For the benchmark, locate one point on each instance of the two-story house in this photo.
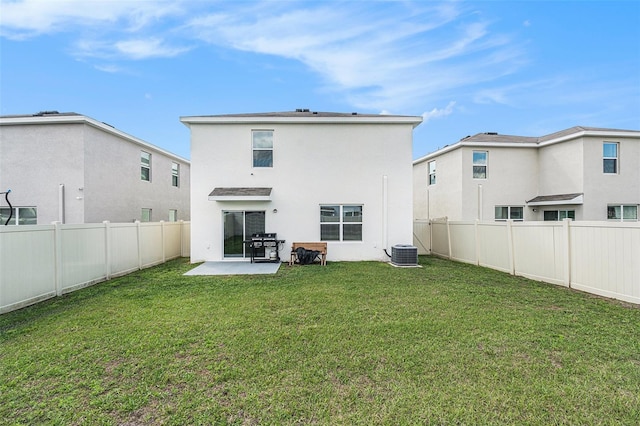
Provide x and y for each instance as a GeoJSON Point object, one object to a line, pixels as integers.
{"type": "Point", "coordinates": [582, 173]}
{"type": "Point", "coordinates": [71, 168]}
{"type": "Point", "coordinates": [304, 175]}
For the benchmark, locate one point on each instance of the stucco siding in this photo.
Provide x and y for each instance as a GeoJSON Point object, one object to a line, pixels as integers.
{"type": "Point", "coordinates": [35, 161]}
{"type": "Point", "coordinates": [603, 189]}
{"type": "Point", "coordinates": [313, 164]}
{"type": "Point", "coordinates": [114, 190]}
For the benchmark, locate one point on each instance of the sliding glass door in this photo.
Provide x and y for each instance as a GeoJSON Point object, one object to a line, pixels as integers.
{"type": "Point", "coordinates": [239, 226]}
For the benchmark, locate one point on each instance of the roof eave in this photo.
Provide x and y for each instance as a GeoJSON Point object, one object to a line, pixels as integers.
{"type": "Point", "coordinates": [354, 119]}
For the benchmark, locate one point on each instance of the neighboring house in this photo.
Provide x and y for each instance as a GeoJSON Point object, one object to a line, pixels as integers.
{"type": "Point", "coordinates": [306, 176]}
{"type": "Point", "coordinates": [582, 173]}
{"type": "Point", "coordinates": [71, 168]}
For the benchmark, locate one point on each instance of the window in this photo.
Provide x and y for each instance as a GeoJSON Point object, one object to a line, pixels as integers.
{"type": "Point", "coordinates": [559, 214]}
{"type": "Point", "coordinates": [146, 215]}
{"type": "Point", "coordinates": [175, 174]}
{"type": "Point", "coordinates": [262, 148]}
{"type": "Point", "coordinates": [480, 164]}
{"type": "Point", "coordinates": [510, 212]}
{"type": "Point", "coordinates": [341, 223]}
{"type": "Point", "coordinates": [622, 212]}
{"type": "Point", "coordinates": [173, 215]}
{"type": "Point", "coordinates": [432, 172]}
{"type": "Point", "coordinates": [20, 216]}
{"type": "Point", "coordinates": [145, 166]}
{"type": "Point", "coordinates": [610, 157]}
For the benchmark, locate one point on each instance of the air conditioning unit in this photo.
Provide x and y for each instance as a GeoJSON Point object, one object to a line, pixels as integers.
{"type": "Point", "coordinates": [404, 255]}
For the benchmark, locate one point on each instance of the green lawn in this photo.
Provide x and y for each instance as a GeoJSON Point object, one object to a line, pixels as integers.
{"type": "Point", "coordinates": [349, 343]}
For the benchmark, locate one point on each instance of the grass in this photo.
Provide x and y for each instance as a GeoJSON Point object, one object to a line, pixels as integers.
{"type": "Point", "coordinates": [349, 343]}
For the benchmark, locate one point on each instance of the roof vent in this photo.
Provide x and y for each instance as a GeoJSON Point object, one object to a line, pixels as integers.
{"type": "Point", "coordinates": [298, 109]}
{"type": "Point", "coordinates": [305, 110]}
{"type": "Point", "coordinates": [315, 112]}
{"type": "Point", "coordinates": [41, 113]}
{"type": "Point", "coordinates": [354, 113]}
{"type": "Point", "coordinates": [491, 133]}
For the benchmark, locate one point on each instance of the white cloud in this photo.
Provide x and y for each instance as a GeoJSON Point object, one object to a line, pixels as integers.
{"type": "Point", "coordinates": [396, 55]}
{"type": "Point", "coordinates": [389, 57]}
{"type": "Point", "coordinates": [438, 113]}
{"type": "Point", "coordinates": [28, 18]}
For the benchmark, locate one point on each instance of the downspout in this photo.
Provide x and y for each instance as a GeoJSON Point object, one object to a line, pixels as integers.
{"type": "Point", "coordinates": [385, 218]}
{"type": "Point", "coordinates": [61, 203]}
{"type": "Point", "coordinates": [479, 215]}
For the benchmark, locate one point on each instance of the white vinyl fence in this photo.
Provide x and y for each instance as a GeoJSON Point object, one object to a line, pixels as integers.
{"type": "Point", "coordinates": [601, 258]}
{"type": "Point", "coordinates": [38, 262]}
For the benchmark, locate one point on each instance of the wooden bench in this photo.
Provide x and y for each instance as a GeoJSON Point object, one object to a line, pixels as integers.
{"type": "Point", "coordinates": [320, 247]}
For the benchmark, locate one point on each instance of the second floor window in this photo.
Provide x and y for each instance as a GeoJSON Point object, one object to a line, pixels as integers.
{"type": "Point", "coordinates": [432, 172]}
{"type": "Point", "coordinates": [175, 174]}
{"type": "Point", "coordinates": [145, 166]}
{"type": "Point", "coordinates": [610, 157]}
{"type": "Point", "coordinates": [480, 164]}
{"type": "Point", "coordinates": [262, 148]}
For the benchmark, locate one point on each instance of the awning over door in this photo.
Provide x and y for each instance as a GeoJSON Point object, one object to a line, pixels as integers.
{"type": "Point", "coordinates": [240, 194]}
{"type": "Point", "coordinates": [550, 200]}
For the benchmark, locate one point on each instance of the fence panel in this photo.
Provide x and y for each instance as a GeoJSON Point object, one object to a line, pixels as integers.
{"type": "Point", "coordinates": [27, 265]}
{"type": "Point", "coordinates": [463, 241]}
{"type": "Point", "coordinates": [539, 251]}
{"type": "Point", "coordinates": [422, 236]}
{"type": "Point", "coordinates": [172, 239]}
{"type": "Point", "coordinates": [151, 244]}
{"type": "Point", "coordinates": [124, 248]}
{"type": "Point", "coordinates": [604, 259]}
{"type": "Point", "coordinates": [83, 255]}
{"type": "Point", "coordinates": [493, 246]}
{"type": "Point", "coordinates": [439, 237]}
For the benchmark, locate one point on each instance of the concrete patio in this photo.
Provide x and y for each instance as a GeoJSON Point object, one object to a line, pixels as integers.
{"type": "Point", "coordinates": [234, 268]}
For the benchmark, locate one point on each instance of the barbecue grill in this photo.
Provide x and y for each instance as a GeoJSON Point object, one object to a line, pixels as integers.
{"type": "Point", "coordinates": [262, 245]}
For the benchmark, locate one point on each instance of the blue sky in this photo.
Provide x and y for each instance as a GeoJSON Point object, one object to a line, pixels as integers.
{"type": "Point", "coordinates": [515, 67]}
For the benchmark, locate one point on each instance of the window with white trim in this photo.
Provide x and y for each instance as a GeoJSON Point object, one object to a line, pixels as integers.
{"type": "Point", "coordinates": [550, 215]}
{"type": "Point", "coordinates": [610, 157]}
{"type": "Point", "coordinates": [432, 172]}
{"type": "Point", "coordinates": [341, 223]}
{"type": "Point", "coordinates": [175, 174]}
{"type": "Point", "coordinates": [262, 141]}
{"type": "Point", "coordinates": [145, 166]}
{"type": "Point", "coordinates": [623, 212]}
{"type": "Point", "coordinates": [509, 212]}
{"type": "Point", "coordinates": [480, 164]}
{"type": "Point", "coordinates": [145, 216]}
{"type": "Point", "coordinates": [20, 216]}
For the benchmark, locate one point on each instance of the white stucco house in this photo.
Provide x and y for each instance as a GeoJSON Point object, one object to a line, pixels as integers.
{"type": "Point", "coordinates": [303, 175]}
{"type": "Point", "coordinates": [582, 173]}
{"type": "Point", "coordinates": [71, 168]}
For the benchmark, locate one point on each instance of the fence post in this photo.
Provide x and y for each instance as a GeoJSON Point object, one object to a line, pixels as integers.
{"type": "Point", "coordinates": [137, 222]}
{"type": "Point", "coordinates": [448, 235]}
{"type": "Point", "coordinates": [476, 233]}
{"type": "Point", "coordinates": [566, 225]}
{"type": "Point", "coordinates": [57, 255]}
{"type": "Point", "coordinates": [182, 238]}
{"type": "Point", "coordinates": [164, 242]}
{"type": "Point", "coordinates": [512, 260]}
{"type": "Point", "coordinates": [107, 248]}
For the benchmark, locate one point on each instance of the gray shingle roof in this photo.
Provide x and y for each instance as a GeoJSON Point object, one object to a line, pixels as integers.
{"type": "Point", "coordinates": [240, 192]}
